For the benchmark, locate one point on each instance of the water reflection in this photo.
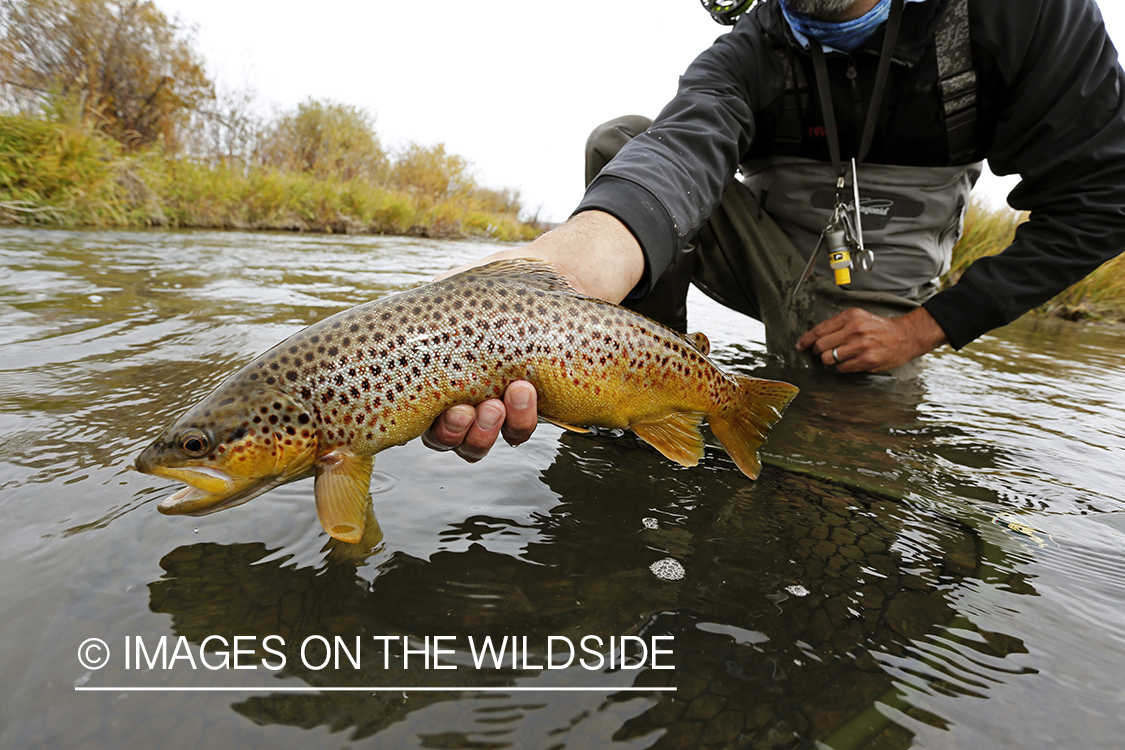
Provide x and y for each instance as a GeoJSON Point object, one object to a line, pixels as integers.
{"type": "Point", "coordinates": [969, 547]}
{"type": "Point", "coordinates": [800, 603]}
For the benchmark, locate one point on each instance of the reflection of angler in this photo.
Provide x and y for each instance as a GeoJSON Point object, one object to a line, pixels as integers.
{"type": "Point", "coordinates": [793, 591]}
{"type": "Point", "coordinates": [781, 635]}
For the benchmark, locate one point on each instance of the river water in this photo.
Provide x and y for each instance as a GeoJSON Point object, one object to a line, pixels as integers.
{"type": "Point", "coordinates": [933, 563]}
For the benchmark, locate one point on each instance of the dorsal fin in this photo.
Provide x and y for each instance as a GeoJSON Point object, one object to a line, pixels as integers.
{"type": "Point", "coordinates": [531, 272]}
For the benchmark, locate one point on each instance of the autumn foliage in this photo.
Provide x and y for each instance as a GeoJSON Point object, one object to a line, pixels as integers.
{"type": "Point", "coordinates": [324, 139]}
{"type": "Point", "coordinates": [120, 66]}
{"type": "Point", "coordinates": [108, 117]}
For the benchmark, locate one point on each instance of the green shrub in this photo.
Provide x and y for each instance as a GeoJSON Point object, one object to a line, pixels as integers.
{"type": "Point", "coordinates": [58, 174]}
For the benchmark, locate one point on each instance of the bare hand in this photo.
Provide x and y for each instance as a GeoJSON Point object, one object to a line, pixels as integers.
{"type": "Point", "coordinates": [859, 341]}
{"type": "Point", "coordinates": [471, 432]}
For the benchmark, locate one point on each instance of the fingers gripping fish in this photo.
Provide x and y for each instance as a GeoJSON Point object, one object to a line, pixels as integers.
{"type": "Point", "coordinates": [330, 397]}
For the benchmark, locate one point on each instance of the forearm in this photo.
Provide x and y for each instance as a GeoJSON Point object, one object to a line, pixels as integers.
{"type": "Point", "coordinates": [594, 251]}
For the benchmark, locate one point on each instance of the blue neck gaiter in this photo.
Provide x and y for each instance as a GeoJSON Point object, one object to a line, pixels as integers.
{"type": "Point", "coordinates": [845, 36]}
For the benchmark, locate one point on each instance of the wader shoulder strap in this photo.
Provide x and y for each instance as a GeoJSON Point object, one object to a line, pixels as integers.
{"type": "Point", "coordinates": [957, 81]}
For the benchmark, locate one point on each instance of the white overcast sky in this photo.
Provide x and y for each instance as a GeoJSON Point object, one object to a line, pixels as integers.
{"type": "Point", "coordinates": [514, 87]}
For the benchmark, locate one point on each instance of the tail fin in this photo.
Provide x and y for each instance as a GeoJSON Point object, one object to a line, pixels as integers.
{"type": "Point", "coordinates": [743, 426]}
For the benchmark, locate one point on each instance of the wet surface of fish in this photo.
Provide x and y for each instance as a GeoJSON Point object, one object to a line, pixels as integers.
{"type": "Point", "coordinates": [330, 397]}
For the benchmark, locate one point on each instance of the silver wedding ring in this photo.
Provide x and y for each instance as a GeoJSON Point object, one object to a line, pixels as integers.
{"type": "Point", "coordinates": [835, 356]}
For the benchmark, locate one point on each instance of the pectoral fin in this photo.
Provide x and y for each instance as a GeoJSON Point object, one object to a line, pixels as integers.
{"type": "Point", "coordinates": [675, 435]}
{"type": "Point", "coordinates": [343, 484]}
{"type": "Point", "coordinates": [356, 553]}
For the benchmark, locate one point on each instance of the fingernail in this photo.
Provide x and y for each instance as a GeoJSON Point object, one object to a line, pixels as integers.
{"type": "Point", "coordinates": [487, 416]}
{"type": "Point", "coordinates": [459, 418]}
{"type": "Point", "coordinates": [521, 398]}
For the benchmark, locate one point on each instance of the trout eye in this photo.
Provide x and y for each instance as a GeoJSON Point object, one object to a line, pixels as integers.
{"type": "Point", "coordinates": [195, 443]}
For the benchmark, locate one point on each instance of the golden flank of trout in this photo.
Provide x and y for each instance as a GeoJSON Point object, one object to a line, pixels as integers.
{"type": "Point", "coordinates": [330, 397]}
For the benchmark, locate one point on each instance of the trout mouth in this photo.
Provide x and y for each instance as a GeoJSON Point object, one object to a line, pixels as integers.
{"type": "Point", "coordinates": [208, 490]}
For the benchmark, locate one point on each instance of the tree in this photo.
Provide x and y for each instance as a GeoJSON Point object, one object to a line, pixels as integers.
{"type": "Point", "coordinates": [431, 171]}
{"type": "Point", "coordinates": [325, 139]}
{"type": "Point", "coordinates": [226, 128]}
{"type": "Point", "coordinates": [119, 65]}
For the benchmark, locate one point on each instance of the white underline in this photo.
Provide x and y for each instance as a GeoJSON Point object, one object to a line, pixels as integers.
{"type": "Point", "coordinates": [280, 689]}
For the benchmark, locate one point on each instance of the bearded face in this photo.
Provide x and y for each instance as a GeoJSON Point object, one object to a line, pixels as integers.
{"type": "Point", "coordinates": [825, 10]}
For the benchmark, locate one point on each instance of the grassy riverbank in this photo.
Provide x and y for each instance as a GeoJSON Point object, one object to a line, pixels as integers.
{"type": "Point", "coordinates": [54, 174]}
{"type": "Point", "coordinates": [988, 230]}
{"type": "Point", "coordinates": [60, 175]}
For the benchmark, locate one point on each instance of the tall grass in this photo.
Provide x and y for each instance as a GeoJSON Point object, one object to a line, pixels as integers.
{"type": "Point", "coordinates": [53, 174]}
{"type": "Point", "coordinates": [988, 230]}
{"type": "Point", "coordinates": [66, 175]}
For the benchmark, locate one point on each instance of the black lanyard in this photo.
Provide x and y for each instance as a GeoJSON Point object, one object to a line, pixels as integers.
{"type": "Point", "coordinates": [894, 21]}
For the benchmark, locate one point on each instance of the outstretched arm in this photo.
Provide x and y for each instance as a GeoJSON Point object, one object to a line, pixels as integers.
{"type": "Point", "coordinates": [600, 257]}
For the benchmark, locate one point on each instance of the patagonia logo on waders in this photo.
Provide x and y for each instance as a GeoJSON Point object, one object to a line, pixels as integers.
{"type": "Point", "coordinates": [876, 210]}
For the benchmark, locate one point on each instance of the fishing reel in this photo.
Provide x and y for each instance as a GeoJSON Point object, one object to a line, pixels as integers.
{"type": "Point", "coordinates": [726, 12]}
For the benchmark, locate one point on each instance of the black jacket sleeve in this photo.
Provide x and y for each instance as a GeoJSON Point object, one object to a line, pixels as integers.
{"type": "Point", "coordinates": [666, 182]}
{"type": "Point", "coordinates": [1061, 127]}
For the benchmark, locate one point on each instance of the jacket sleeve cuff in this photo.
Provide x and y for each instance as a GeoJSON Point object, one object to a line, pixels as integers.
{"type": "Point", "coordinates": [643, 215]}
{"type": "Point", "coordinates": [964, 312]}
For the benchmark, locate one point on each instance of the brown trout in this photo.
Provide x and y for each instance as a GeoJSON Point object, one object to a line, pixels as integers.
{"type": "Point", "coordinates": [330, 397]}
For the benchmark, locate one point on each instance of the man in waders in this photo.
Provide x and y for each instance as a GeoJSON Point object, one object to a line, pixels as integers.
{"type": "Point", "coordinates": [813, 171]}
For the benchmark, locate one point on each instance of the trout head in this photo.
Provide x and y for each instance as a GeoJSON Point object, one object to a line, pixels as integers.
{"type": "Point", "coordinates": [231, 447]}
